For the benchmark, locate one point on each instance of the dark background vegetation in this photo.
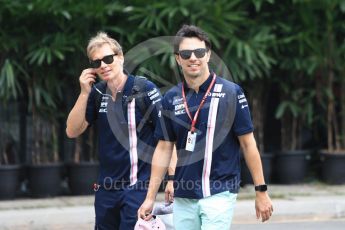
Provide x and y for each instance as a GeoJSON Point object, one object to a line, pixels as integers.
{"type": "Point", "coordinates": [288, 55]}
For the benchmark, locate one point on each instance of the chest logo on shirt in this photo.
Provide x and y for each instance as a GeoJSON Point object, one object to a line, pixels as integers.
{"type": "Point", "coordinates": [177, 100]}
{"type": "Point", "coordinates": [104, 104]}
{"type": "Point", "coordinates": [217, 91]}
{"type": "Point", "coordinates": [179, 105]}
{"type": "Point", "coordinates": [179, 109]}
{"type": "Point", "coordinates": [218, 88]}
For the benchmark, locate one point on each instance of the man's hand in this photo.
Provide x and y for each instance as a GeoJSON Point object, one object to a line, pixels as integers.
{"type": "Point", "coordinates": [86, 79]}
{"type": "Point", "coordinates": [169, 192]}
{"type": "Point", "coordinates": [144, 212]}
{"type": "Point", "coordinates": [263, 206]}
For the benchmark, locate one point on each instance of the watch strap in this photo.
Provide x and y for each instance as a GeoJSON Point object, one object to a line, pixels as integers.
{"type": "Point", "coordinates": [261, 188]}
{"type": "Point", "coordinates": [170, 177]}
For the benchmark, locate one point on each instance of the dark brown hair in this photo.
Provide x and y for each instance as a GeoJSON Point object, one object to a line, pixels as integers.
{"type": "Point", "coordinates": [190, 31]}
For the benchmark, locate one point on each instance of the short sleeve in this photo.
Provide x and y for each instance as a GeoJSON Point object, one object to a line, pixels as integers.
{"type": "Point", "coordinates": [243, 122]}
{"type": "Point", "coordinates": [153, 101]}
{"type": "Point", "coordinates": [164, 129]}
{"type": "Point", "coordinates": [91, 114]}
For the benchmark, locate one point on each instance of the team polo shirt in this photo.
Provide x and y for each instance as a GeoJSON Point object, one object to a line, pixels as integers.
{"type": "Point", "coordinates": [214, 165]}
{"type": "Point", "coordinates": [125, 152]}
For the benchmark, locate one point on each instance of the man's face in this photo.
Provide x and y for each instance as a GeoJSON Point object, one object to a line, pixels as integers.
{"type": "Point", "coordinates": [193, 66]}
{"type": "Point", "coordinates": [111, 70]}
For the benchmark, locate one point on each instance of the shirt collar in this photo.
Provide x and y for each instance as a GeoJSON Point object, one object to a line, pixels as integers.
{"type": "Point", "coordinates": [127, 88]}
{"type": "Point", "coordinates": [203, 87]}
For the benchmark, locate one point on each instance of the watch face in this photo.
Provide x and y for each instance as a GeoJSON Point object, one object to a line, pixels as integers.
{"type": "Point", "coordinates": [261, 188]}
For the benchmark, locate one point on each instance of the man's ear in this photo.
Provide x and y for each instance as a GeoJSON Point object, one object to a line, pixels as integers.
{"type": "Point", "coordinates": [177, 58]}
{"type": "Point", "coordinates": [208, 55]}
{"type": "Point", "coordinates": [121, 59]}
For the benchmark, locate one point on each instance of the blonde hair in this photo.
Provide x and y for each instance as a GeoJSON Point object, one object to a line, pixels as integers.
{"type": "Point", "coordinates": [99, 40]}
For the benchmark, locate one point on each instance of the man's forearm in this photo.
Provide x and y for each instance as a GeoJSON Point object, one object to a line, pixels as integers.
{"type": "Point", "coordinates": [173, 162]}
{"type": "Point", "coordinates": [76, 122]}
{"type": "Point", "coordinates": [252, 157]}
{"type": "Point", "coordinates": [160, 162]}
{"type": "Point", "coordinates": [253, 162]}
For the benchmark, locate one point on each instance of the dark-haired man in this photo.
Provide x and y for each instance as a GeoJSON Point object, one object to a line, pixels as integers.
{"type": "Point", "coordinates": [208, 119]}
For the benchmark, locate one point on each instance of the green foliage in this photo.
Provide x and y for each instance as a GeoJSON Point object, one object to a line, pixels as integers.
{"type": "Point", "coordinates": [237, 38]}
{"type": "Point", "coordinates": [307, 53]}
{"type": "Point", "coordinates": [10, 87]}
{"type": "Point", "coordinates": [297, 44]}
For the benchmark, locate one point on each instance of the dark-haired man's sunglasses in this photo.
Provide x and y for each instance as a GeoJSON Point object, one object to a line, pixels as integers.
{"type": "Point", "coordinates": [186, 54]}
{"type": "Point", "coordinates": [98, 62]}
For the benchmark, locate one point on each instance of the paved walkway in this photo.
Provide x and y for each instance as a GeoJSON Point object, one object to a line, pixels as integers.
{"type": "Point", "coordinates": [291, 203]}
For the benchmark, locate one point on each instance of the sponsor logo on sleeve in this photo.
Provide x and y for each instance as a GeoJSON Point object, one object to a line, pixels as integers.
{"type": "Point", "coordinates": [153, 94]}
{"type": "Point", "coordinates": [242, 100]}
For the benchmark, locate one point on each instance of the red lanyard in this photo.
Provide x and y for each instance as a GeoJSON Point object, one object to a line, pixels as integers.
{"type": "Point", "coordinates": [200, 106]}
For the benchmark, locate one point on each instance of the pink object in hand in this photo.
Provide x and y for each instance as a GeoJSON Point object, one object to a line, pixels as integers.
{"type": "Point", "coordinates": [153, 224]}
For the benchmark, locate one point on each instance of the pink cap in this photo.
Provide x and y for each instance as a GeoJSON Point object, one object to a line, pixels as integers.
{"type": "Point", "coordinates": [153, 223]}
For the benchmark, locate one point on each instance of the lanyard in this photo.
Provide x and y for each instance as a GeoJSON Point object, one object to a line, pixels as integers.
{"type": "Point", "coordinates": [200, 106]}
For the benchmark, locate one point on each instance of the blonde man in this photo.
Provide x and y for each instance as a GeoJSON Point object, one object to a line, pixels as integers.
{"type": "Point", "coordinates": [125, 151]}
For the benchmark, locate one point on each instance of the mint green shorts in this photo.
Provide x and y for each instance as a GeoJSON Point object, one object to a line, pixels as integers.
{"type": "Point", "coordinates": [213, 212]}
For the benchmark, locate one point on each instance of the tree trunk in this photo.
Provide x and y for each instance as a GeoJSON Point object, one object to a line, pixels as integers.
{"type": "Point", "coordinates": [330, 111]}
{"type": "Point", "coordinates": [294, 134]}
{"type": "Point", "coordinates": [77, 150]}
{"type": "Point", "coordinates": [342, 112]}
{"type": "Point", "coordinates": [92, 144]}
{"type": "Point", "coordinates": [257, 103]}
{"type": "Point", "coordinates": [287, 141]}
{"type": "Point", "coordinates": [55, 142]}
{"type": "Point", "coordinates": [299, 134]}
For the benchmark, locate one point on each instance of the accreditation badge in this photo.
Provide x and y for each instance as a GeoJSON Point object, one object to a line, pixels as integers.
{"type": "Point", "coordinates": [190, 143]}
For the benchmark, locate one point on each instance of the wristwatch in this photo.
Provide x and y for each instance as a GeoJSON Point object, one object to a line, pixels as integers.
{"type": "Point", "coordinates": [171, 177]}
{"type": "Point", "coordinates": [261, 188]}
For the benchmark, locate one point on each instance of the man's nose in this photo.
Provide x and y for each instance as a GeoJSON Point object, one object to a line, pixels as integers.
{"type": "Point", "coordinates": [193, 57]}
{"type": "Point", "coordinates": [103, 63]}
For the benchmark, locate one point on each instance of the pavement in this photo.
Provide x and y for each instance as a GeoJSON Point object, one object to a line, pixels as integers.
{"type": "Point", "coordinates": [311, 202]}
